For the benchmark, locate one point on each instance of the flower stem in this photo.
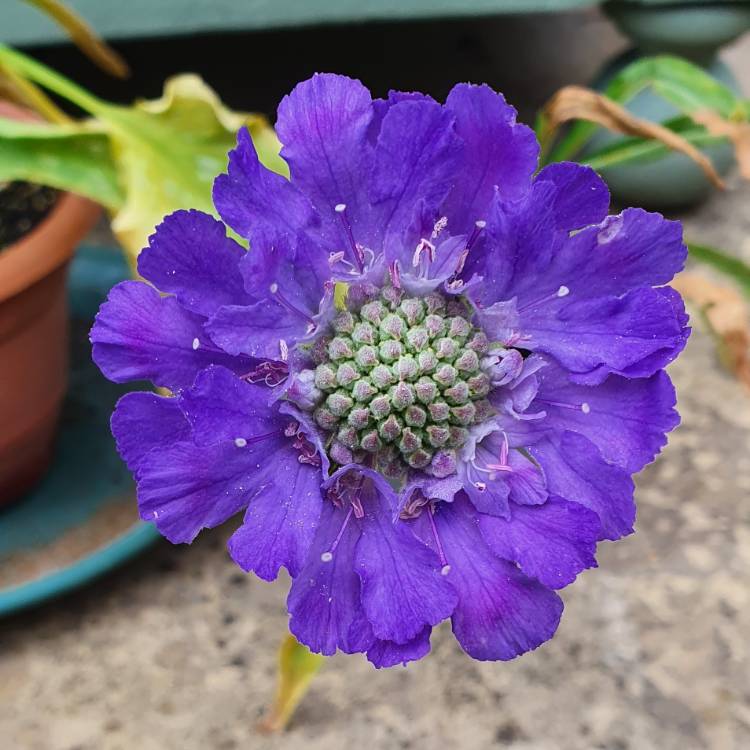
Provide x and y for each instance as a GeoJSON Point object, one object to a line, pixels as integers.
{"type": "Point", "coordinates": [296, 669]}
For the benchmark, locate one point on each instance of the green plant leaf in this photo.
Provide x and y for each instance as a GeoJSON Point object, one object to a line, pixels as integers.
{"type": "Point", "coordinates": [688, 87]}
{"type": "Point", "coordinates": [722, 261]}
{"type": "Point", "coordinates": [73, 158]}
{"type": "Point", "coordinates": [297, 667]}
{"type": "Point", "coordinates": [166, 152]}
{"type": "Point", "coordinates": [638, 150]}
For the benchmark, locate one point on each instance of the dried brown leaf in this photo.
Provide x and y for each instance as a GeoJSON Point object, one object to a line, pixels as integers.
{"type": "Point", "coordinates": [737, 132]}
{"type": "Point", "coordinates": [84, 37]}
{"type": "Point", "coordinates": [579, 103]}
{"type": "Point", "coordinates": [727, 316]}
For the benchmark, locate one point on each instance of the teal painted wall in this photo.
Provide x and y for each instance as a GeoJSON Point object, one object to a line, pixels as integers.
{"type": "Point", "coordinates": [20, 24]}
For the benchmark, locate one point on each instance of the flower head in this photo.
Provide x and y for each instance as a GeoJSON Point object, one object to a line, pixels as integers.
{"type": "Point", "coordinates": [427, 383]}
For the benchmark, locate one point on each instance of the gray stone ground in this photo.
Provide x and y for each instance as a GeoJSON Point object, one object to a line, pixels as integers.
{"type": "Point", "coordinates": [176, 651]}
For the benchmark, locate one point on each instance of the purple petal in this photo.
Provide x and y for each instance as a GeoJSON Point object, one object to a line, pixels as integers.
{"type": "Point", "coordinates": [416, 158]}
{"type": "Point", "coordinates": [581, 198]}
{"type": "Point", "coordinates": [257, 203]}
{"type": "Point", "coordinates": [221, 407]}
{"type": "Point", "coordinates": [388, 654]}
{"type": "Point", "coordinates": [501, 613]}
{"type": "Point", "coordinates": [525, 481]}
{"type": "Point", "coordinates": [553, 542]}
{"type": "Point", "coordinates": [633, 335]}
{"type": "Point", "coordinates": [500, 154]}
{"type": "Point", "coordinates": [324, 601]}
{"type": "Point", "coordinates": [323, 125]}
{"type": "Point", "coordinates": [624, 252]}
{"type": "Point", "coordinates": [139, 335]}
{"type": "Point", "coordinates": [627, 419]}
{"type": "Point", "coordinates": [576, 471]}
{"type": "Point", "coordinates": [403, 589]}
{"type": "Point", "coordinates": [185, 488]}
{"type": "Point", "coordinates": [143, 421]}
{"type": "Point", "coordinates": [281, 520]}
{"type": "Point", "coordinates": [191, 257]}
{"type": "Point", "coordinates": [294, 272]}
{"type": "Point", "coordinates": [262, 330]}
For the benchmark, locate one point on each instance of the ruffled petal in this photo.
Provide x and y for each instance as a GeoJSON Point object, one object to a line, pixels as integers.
{"type": "Point", "coordinates": [190, 256]}
{"type": "Point", "coordinates": [144, 421]}
{"type": "Point", "coordinates": [581, 196]}
{"type": "Point", "coordinates": [500, 155]}
{"type": "Point", "coordinates": [416, 159]}
{"type": "Point", "coordinates": [184, 488]}
{"type": "Point", "coordinates": [576, 471]}
{"type": "Point", "coordinates": [324, 601]}
{"type": "Point", "coordinates": [260, 331]}
{"type": "Point", "coordinates": [634, 335]}
{"type": "Point", "coordinates": [388, 654]}
{"type": "Point", "coordinates": [553, 542]}
{"type": "Point", "coordinates": [323, 124]}
{"type": "Point", "coordinates": [403, 590]}
{"type": "Point", "coordinates": [293, 272]}
{"type": "Point", "coordinates": [139, 335]}
{"type": "Point", "coordinates": [623, 252]}
{"type": "Point", "coordinates": [627, 419]}
{"type": "Point", "coordinates": [280, 522]}
{"type": "Point", "coordinates": [257, 203]}
{"type": "Point", "coordinates": [501, 613]}
{"type": "Point", "coordinates": [221, 407]}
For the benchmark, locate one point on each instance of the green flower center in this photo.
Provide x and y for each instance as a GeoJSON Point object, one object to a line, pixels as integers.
{"type": "Point", "coordinates": [400, 379]}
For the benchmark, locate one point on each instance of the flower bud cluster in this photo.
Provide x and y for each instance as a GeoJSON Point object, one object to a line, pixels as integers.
{"type": "Point", "coordinates": [400, 378]}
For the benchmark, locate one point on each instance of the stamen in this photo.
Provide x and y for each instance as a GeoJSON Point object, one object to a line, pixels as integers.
{"type": "Point", "coordinates": [196, 344]}
{"type": "Point", "coordinates": [359, 256]}
{"type": "Point", "coordinates": [328, 555]}
{"type": "Point", "coordinates": [562, 291]}
{"type": "Point", "coordinates": [270, 373]}
{"type": "Point", "coordinates": [584, 406]}
{"type": "Point", "coordinates": [283, 350]}
{"type": "Point", "coordinates": [395, 274]}
{"type": "Point", "coordinates": [440, 224]}
{"type": "Point", "coordinates": [478, 227]}
{"type": "Point", "coordinates": [240, 442]}
{"type": "Point", "coordinates": [285, 303]}
{"type": "Point", "coordinates": [424, 246]}
{"type": "Point", "coordinates": [445, 569]}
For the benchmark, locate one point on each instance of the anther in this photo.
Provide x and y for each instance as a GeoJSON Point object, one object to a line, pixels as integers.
{"type": "Point", "coordinates": [359, 256]}
{"type": "Point", "coordinates": [196, 344]}
{"type": "Point", "coordinates": [240, 442]}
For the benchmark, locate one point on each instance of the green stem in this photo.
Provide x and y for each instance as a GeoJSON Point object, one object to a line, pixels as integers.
{"type": "Point", "coordinates": [51, 80]}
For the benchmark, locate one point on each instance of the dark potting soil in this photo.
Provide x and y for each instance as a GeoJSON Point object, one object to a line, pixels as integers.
{"type": "Point", "coordinates": [22, 206]}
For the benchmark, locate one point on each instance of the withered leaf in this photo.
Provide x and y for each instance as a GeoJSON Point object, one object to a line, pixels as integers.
{"type": "Point", "coordinates": [580, 103]}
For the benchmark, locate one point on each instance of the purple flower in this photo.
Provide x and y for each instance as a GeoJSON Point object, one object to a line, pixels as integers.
{"type": "Point", "coordinates": [428, 382]}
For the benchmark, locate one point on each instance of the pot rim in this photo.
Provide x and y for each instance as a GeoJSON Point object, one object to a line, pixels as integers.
{"type": "Point", "coordinates": [48, 246]}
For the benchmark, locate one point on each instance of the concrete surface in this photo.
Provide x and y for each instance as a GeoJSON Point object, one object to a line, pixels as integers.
{"type": "Point", "coordinates": [177, 651]}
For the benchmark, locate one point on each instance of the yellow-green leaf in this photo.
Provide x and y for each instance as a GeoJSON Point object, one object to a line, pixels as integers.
{"type": "Point", "coordinates": [297, 667]}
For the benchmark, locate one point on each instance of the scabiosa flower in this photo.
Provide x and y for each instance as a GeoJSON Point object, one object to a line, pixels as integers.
{"type": "Point", "coordinates": [427, 383]}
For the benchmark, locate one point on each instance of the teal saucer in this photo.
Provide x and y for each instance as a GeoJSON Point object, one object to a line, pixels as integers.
{"type": "Point", "coordinates": [81, 519]}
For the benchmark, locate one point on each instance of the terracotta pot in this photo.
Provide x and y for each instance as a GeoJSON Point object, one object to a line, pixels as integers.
{"type": "Point", "coordinates": [34, 341]}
